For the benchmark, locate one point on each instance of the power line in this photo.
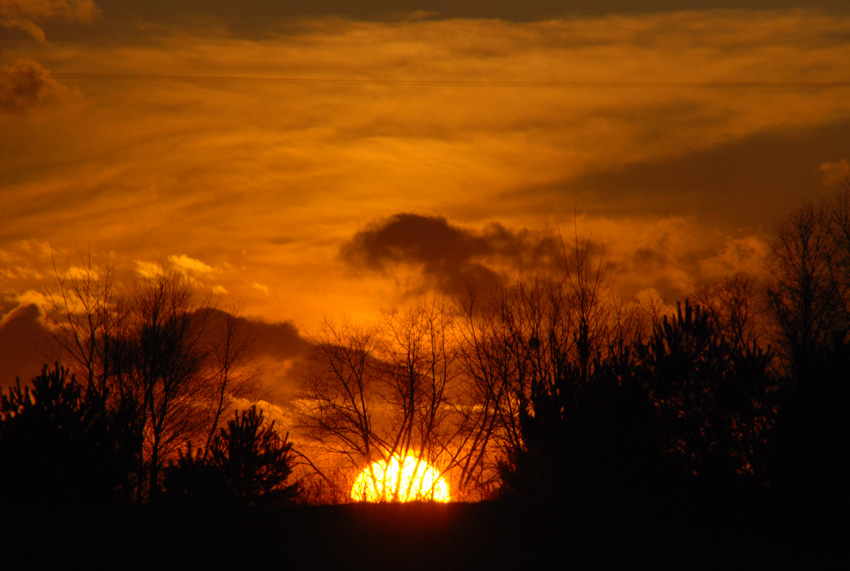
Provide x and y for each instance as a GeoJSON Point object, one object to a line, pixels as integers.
{"type": "Point", "coordinates": [428, 82]}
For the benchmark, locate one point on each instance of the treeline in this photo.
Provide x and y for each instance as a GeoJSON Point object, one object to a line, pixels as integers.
{"type": "Point", "coordinates": [547, 391]}
{"type": "Point", "coordinates": [139, 411]}
{"type": "Point", "coordinates": [551, 389]}
{"type": "Point", "coordinates": [741, 391]}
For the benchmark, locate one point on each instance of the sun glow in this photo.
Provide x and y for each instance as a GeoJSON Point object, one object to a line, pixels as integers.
{"type": "Point", "coordinates": [401, 481]}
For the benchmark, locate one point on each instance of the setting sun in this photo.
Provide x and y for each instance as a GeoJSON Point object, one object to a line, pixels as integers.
{"type": "Point", "coordinates": [400, 480]}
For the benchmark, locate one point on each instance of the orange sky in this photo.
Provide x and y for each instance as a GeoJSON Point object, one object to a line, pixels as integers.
{"type": "Point", "coordinates": [324, 165]}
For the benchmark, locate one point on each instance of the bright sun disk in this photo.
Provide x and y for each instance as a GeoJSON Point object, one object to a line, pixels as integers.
{"type": "Point", "coordinates": [402, 481]}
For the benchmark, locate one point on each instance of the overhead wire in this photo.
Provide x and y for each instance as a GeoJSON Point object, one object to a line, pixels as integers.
{"type": "Point", "coordinates": [367, 81]}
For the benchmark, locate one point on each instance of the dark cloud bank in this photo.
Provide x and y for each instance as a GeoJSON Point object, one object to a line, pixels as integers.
{"type": "Point", "coordinates": [256, 11]}
{"type": "Point", "coordinates": [26, 344]}
{"type": "Point", "coordinates": [275, 340]}
{"type": "Point", "coordinates": [25, 86]}
{"type": "Point", "coordinates": [451, 258]}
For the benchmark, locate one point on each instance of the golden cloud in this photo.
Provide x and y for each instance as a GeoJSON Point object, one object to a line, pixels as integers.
{"type": "Point", "coordinates": [331, 125]}
{"type": "Point", "coordinates": [188, 265]}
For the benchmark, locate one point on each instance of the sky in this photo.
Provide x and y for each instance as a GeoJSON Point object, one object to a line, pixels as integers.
{"type": "Point", "coordinates": [313, 160]}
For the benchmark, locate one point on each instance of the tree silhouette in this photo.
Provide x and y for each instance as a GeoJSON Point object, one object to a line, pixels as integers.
{"type": "Point", "coordinates": [157, 358]}
{"type": "Point", "coordinates": [192, 480]}
{"type": "Point", "coordinates": [253, 460]}
{"type": "Point", "coordinates": [57, 447]}
{"type": "Point", "coordinates": [374, 394]}
{"type": "Point", "coordinates": [552, 360]}
{"type": "Point", "coordinates": [249, 463]}
{"type": "Point", "coordinates": [585, 442]}
{"type": "Point", "coordinates": [804, 297]}
{"type": "Point", "coordinates": [809, 296]}
{"type": "Point", "coordinates": [712, 399]}
{"type": "Point", "coordinates": [549, 389]}
{"type": "Point", "coordinates": [682, 412]}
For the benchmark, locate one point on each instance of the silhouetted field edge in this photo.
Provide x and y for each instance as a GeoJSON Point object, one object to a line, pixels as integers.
{"type": "Point", "coordinates": [712, 534]}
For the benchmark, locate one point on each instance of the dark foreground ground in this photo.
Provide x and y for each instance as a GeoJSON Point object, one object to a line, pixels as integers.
{"type": "Point", "coordinates": [711, 535]}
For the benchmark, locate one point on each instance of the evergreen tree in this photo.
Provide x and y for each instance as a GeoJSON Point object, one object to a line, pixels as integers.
{"type": "Point", "coordinates": [712, 399]}
{"type": "Point", "coordinates": [57, 446]}
{"type": "Point", "coordinates": [249, 464]}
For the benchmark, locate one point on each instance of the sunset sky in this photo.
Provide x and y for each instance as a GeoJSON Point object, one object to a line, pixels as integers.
{"type": "Point", "coordinates": [305, 160]}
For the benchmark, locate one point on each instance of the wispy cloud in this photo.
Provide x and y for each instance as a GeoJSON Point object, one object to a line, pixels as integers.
{"type": "Point", "coordinates": [149, 270]}
{"type": "Point", "coordinates": [836, 174]}
{"type": "Point", "coordinates": [188, 265]}
{"type": "Point", "coordinates": [27, 15]}
{"type": "Point", "coordinates": [330, 125]}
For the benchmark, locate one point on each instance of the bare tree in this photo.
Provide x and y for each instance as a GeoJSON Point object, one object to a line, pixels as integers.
{"type": "Point", "coordinates": [839, 231]}
{"type": "Point", "coordinates": [424, 385]}
{"type": "Point", "coordinates": [807, 295]}
{"type": "Point", "coordinates": [89, 317]}
{"type": "Point", "coordinates": [733, 304]}
{"type": "Point", "coordinates": [487, 355]}
{"type": "Point", "coordinates": [90, 321]}
{"type": "Point", "coordinates": [390, 392]}
{"type": "Point", "coordinates": [168, 367]}
{"type": "Point", "coordinates": [527, 335]}
{"type": "Point", "coordinates": [533, 350]}
{"type": "Point", "coordinates": [154, 358]}
{"type": "Point", "coordinates": [809, 301]}
{"type": "Point", "coordinates": [230, 374]}
{"type": "Point", "coordinates": [338, 396]}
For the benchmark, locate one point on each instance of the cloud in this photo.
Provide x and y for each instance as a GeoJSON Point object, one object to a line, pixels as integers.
{"type": "Point", "coordinates": [743, 172]}
{"type": "Point", "coordinates": [149, 270]}
{"type": "Point", "coordinates": [34, 298]}
{"type": "Point", "coordinates": [28, 14]}
{"type": "Point", "coordinates": [26, 85]}
{"type": "Point", "coordinates": [271, 350]}
{"type": "Point", "coordinates": [669, 256]}
{"type": "Point", "coordinates": [258, 17]}
{"type": "Point", "coordinates": [187, 265]}
{"type": "Point", "coordinates": [24, 344]}
{"type": "Point", "coordinates": [451, 258]}
{"type": "Point", "coordinates": [836, 174]}
{"type": "Point", "coordinates": [484, 121]}
{"type": "Point", "coordinates": [662, 256]}
{"type": "Point", "coordinates": [737, 255]}
{"type": "Point", "coordinates": [190, 267]}
{"type": "Point", "coordinates": [278, 341]}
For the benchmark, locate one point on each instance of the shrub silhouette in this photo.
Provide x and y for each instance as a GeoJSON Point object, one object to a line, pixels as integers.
{"type": "Point", "coordinates": [712, 399]}
{"type": "Point", "coordinates": [57, 446]}
{"type": "Point", "coordinates": [690, 414]}
{"type": "Point", "coordinates": [193, 480]}
{"type": "Point", "coordinates": [589, 441]}
{"type": "Point", "coordinates": [249, 463]}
